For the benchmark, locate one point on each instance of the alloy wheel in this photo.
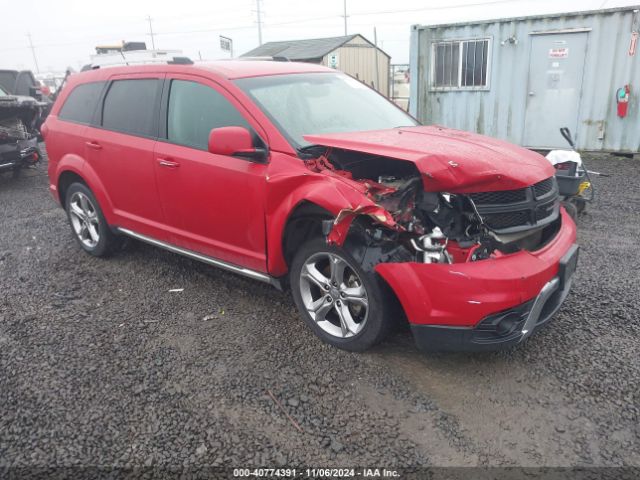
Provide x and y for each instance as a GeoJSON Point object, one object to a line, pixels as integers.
{"type": "Point", "coordinates": [334, 295]}
{"type": "Point", "coordinates": [84, 219]}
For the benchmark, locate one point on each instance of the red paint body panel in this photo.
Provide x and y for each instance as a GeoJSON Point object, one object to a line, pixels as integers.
{"type": "Point", "coordinates": [462, 294]}
{"type": "Point", "coordinates": [213, 204]}
{"type": "Point", "coordinates": [124, 164]}
{"type": "Point", "coordinates": [450, 160]}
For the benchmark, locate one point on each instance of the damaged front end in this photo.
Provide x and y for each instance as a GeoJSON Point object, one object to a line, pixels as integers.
{"type": "Point", "coordinates": [18, 132]}
{"type": "Point", "coordinates": [478, 253]}
{"type": "Point", "coordinates": [423, 226]}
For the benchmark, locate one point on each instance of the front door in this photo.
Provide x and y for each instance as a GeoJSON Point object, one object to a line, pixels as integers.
{"type": "Point", "coordinates": [556, 65]}
{"type": "Point", "coordinates": [212, 204]}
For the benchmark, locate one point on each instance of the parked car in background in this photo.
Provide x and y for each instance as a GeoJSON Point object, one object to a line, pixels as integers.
{"type": "Point", "coordinates": [18, 132]}
{"type": "Point", "coordinates": [50, 82]}
{"type": "Point", "coordinates": [297, 175]}
{"type": "Point", "coordinates": [24, 83]}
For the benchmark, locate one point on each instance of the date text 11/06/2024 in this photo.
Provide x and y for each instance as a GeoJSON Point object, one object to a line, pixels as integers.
{"type": "Point", "coordinates": [315, 472]}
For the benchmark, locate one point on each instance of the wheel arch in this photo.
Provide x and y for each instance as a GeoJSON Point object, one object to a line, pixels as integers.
{"type": "Point", "coordinates": [75, 169]}
{"type": "Point", "coordinates": [304, 223]}
{"type": "Point", "coordinates": [312, 196]}
{"type": "Point", "coordinates": [66, 178]}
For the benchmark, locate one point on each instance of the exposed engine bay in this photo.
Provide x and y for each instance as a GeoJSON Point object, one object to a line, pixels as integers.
{"type": "Point", "coordinates": [409, 223]}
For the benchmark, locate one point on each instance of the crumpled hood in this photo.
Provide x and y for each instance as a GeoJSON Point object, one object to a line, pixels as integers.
{"type": "Point", "coordinates": [450, 160]}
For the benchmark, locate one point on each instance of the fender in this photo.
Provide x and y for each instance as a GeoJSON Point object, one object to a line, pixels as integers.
{"type": "Point", "coordinates": [79, 166]}
{"type": "Point", "coordinates": [286, 192]}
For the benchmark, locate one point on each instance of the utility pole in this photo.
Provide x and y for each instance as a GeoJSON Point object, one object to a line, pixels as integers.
{"type": "Point", "coordinates": [153, 43]}
{"type": "Point", "coordinates": [33, 52]}
{"type": "Point", "coordinates": [375, 42]}
{"type": "Point", "coordinates": [259, 22]}
{"type": "Point", "coordinates": [345, 17]}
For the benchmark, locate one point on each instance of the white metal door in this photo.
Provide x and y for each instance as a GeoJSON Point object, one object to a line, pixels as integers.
{"type": "Point", "coordinates": [556, 65]}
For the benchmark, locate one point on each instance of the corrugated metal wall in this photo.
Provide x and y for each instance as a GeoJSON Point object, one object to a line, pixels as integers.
{"type": "Point", "coordinates": [357, 58]}
{"type": "Point", "coordinates": [499, 111]}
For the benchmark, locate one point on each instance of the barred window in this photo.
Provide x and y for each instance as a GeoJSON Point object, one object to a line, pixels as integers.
{"type": "Point", "coordinates": [460, 64]}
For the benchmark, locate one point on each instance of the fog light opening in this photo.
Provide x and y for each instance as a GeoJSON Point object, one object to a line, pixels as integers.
{"type": "Point", "coordinates": [508, 324]}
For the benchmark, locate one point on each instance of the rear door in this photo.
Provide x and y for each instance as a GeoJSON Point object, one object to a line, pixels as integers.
{"type": "Point", "coordinates": [556, 66]}
{"type": "Point", "coordinates": [120, 150]}
{"type": "Point", "coordinates": [213, 204]}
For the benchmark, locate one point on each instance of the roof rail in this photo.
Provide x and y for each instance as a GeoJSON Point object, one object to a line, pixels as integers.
{"type": "Point", "coordinates": [180, 61]}
{"type": "Point", "coordinates": [266, 58]}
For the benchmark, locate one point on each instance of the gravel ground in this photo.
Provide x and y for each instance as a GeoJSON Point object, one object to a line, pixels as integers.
{"type": "Point", "coordinates": [101, 365]}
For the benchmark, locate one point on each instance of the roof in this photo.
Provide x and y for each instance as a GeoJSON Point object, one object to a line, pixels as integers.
{"type": "Point", "coordinates": [306, 49]}
{"type": "Point", "coordinates": [229, 69]}
{"type": "Point", "coordinates": [529, 17]}
{"type": "Point", "coordinates": [232, 69]}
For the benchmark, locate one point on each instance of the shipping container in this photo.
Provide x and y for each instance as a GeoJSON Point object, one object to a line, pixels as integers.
{"type": "Point", "coordinates": [522, 79]}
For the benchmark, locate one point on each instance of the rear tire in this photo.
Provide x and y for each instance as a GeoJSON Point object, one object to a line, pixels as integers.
{"type": "Point", "coordinates": [344, 305]}
{"type": "Point", "coordinates": [89, 227]}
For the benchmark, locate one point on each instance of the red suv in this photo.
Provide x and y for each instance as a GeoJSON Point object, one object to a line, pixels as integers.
{"type": "Point", "coordinates": [297, 175]}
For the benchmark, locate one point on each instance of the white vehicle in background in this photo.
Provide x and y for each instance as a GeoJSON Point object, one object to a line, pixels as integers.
{"type": "Point", "coordinates": [137, 57]}
{"type": "Point", "coordinates": [132, 53]}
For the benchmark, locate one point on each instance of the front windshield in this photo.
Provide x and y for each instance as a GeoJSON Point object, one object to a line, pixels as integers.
{"type": "Point", "coordinates": [2, 93]}
{"type": "Point", "coordinates": [318, 103]}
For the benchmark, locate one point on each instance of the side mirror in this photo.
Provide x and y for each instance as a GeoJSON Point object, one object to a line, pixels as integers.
{"type": "Point", "coordinates": [235, 142]}
{"type": "Point", "coordinates": [35, 92]}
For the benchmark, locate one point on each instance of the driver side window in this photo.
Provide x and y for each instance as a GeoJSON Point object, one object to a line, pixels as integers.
{"type": "Point", "coordinates": [195, 109]}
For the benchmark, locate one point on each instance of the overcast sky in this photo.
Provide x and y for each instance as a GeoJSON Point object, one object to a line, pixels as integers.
{"type": "Point", "coordinates": [65, 32]}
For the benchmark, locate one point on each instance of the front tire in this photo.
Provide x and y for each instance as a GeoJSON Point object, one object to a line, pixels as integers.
{"type": "Point", "coordinates": [87, 221]}
{"type": "Point", "coordinates": [571, 209]}
{"type": "Point", "coordinates": [344, 305]}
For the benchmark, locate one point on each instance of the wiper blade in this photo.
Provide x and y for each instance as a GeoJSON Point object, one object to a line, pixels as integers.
{"type": "Point", "coordinates": [311, 151]}
{"type": "Point", "coordinates": [309, 148]}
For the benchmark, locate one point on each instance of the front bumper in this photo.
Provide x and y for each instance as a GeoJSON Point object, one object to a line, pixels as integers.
{"type": "Point", "coordinates": [454, 306]}
{"type": "Point", "coordinates": [503, 329]}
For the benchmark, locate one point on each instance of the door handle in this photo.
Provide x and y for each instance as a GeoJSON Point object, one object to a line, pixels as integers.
{"type": "Point", "coordinates": [531, 94]}
{"type": "Point", "coordinates": [93, 145]}
{"type": "Point", "coordinates": [165, 162]}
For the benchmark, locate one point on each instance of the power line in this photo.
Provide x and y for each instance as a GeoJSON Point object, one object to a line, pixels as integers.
{"type": "Point", "coordinates": [446, 7]}
{"type": "Point", "coordinates": [208, 30]}
{"type": "Point", "coordinates": [380, 12]}
{"type": "Point", "coordinates": [290, 22]}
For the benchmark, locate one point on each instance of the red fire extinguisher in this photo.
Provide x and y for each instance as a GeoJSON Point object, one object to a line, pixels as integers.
{"type": "Point", "coordinates": [622, 98]}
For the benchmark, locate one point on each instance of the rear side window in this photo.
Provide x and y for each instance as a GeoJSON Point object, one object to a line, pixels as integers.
{"type": "Point", "coordinates": [24, 83]}
{"type": "Point", "coordinates": [81, 103]}
{"type": "Point", "coordinates": [195, 109]}
{"type": "Point", "coordinates": [130, 107]}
